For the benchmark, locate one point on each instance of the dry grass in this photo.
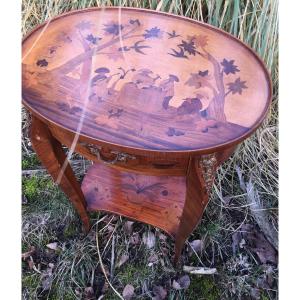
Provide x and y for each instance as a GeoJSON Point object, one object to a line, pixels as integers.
{"type": "Point", "coordinates": [48, 217]}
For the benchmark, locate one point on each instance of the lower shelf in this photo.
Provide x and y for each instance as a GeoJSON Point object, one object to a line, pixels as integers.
{"type": "Point", "coordinates": [155, 200]}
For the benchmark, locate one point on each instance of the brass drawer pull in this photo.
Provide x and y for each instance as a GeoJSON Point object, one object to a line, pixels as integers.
{"type": "Point", "coordinates": [118, 156]}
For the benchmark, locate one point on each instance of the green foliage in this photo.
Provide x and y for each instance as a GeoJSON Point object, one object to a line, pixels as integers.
{"type": "Point", "coordinates": [203, 288]}
{"type": "Point", "coordinates": [30, 162]}
{"type": "Point", "coordinates": [32, 186]}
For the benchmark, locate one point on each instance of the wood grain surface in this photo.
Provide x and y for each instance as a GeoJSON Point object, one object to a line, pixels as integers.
{"type": "Point", "coordinates": [143, 79]}
{"type": "Point", "coordinates": [156, 200]}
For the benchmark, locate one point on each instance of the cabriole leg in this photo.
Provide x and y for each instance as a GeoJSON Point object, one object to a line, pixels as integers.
{"type": "Point", "coordinates": [199, 181]}
{"type": "Point", "coordinates": [50, 152]}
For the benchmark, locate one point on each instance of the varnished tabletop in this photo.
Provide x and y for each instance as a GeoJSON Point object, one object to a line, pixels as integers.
{"type": "Point", "coordinates": [144, 80]}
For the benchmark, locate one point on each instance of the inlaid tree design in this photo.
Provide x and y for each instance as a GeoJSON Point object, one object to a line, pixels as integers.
{"type": "Point", "coordinates": [197, 45]}
{"type": "Point", "coordinates": [110, 93]}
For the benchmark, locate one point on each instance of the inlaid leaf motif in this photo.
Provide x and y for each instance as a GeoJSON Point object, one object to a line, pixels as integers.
{"type": "Point", "coordinates": [113, 28]}
{"type": "Point", "coordinates": [237, 86]}
{"type": "Point", "coordinates": [229, 67]}
{"type": "Point", "coordinates": [42, 63]}
{"type": "Point", "coordinates": [93, 39]}
{"type": "Point", "coordinates": [173, 34]}
{"type": "Point", "coordinates": [200, 40]}
{"type": "Point", "coordinates": [179, 53]}
{"type": "Point", "coordinates": [188, 46]}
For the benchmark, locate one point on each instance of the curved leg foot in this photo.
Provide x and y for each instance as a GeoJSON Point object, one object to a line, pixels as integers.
{"type": "Point", "coordinates": [200, 177]}
{"type": "Point", "coordinates": [51, 154]}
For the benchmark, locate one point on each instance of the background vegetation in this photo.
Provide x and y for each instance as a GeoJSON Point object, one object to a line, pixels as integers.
{"type": "Point", "coordinates": [60, 263]}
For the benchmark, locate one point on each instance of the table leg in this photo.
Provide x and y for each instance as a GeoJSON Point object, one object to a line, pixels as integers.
{"type": "Point", "coordinates": [50, 152]}
{"type": "Point", "coordinates": [199, 181]}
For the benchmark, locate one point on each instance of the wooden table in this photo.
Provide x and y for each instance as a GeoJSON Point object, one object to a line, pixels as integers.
{"type": "Point", "coordinates": [157, 101]}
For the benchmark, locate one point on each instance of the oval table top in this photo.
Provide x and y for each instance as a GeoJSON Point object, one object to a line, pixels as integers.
{"type": "Point", "coordinates": [144, 80]}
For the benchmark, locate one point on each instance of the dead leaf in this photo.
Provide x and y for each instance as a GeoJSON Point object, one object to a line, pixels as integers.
{"type": "Point", "coordinates": [47, 282]}
{"type": "Point", "coordinates": [257, 242]}
{"type": "Point", "coordinates": [122, 260]}
{"type": "Point", "coordinates": [159, 292]}
{"type": "Point", "coordinates": [182, 283]}
{"type": "Point", "coordinates": [128, 292]}
{"type": "Point", "coordinates": [162, 237]}
{"type": "Point", "coordinates": [255, 294]}
{"type": "Point", "coordinates": [152, 259]}
{"type": "Point", "coordinates": [236, 238]}
{"type": "Point", "coordinates": [135, 239]}
{"type": "Point", "coordinates": [28, 253]}
{"type": "Point", "coordinates": [89, 293]}
{"type": "Point", "coordinates": [30, 264]}
{"type": "Point", "coordinates": [24, 199]}
{"type": "Point", "coordinates": [128, 227]}
{"type": "Point", "coordinates": [197, 246]}
{"type": "Point", "coordinates": [52, 246]}
{"type": "Point", "coordinates": [149, 239]}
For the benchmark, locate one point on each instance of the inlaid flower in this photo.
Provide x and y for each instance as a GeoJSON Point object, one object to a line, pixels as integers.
{"type": "Point", "coordinates": [154, 32]}
{"type": "Point", "coordinates": [237, 86]}
{"type": "Point", "coordinates": [113, 28]}
{"type": "Point", "coordinates": [229, 66]}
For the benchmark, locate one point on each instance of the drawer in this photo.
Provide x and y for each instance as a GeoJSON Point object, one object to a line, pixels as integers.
{"type": "Point", "coordinates": [153, 164]}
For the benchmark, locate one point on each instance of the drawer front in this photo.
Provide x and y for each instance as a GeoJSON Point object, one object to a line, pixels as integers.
{"type": "Point", "coordinates": [122, 160]}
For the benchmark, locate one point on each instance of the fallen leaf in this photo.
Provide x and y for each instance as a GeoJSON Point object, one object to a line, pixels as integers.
{"type": "Point", "coordinates": [88, 293]}
{"type": "Point", "coordinates": [128, 227]}
{"type": "Point", "coordinates": [257, 242]}
{"type": "Point", "coordinates": [236, 238]}
{"type": "Point", "coordinates": [149, 239]}
{"type": "Point", "coordinates": [182, 283]}
{"type": "Point", "coordinates": [110, 228]}
{"type": "Point", "coordinates": [197, 246]}
{"type": "Point", "coordinates": [176, 285]}
{"type": "Point", "coordinates": [30, 264]}
{"type": "Point", "coordinates": [128, 292]}
{"type": "Point", "coordinates": [47, 282]}
{"type": "Point", "coordinates": [24, 199]}
{"type": "Point", "coordinates": [153, 258]}
{"type": "Point", "coordinates": [52, 246]}
{"type": "Point", "coordinates": [122, 260]}
{"type": "Point", "coordinates": [255, 294]}
{"type": "Point", "coordinates": [162, 237]}
{"type": "Point", "coordinates": [135, 239]}
{"type": "Point", "coordinates": [159, 292]}
{"type": "Point", "coordinates": [28, 253]}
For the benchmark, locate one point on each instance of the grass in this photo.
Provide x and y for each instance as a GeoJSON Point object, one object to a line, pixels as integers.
{"type": "Point", "coordinates": [48, 217]}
